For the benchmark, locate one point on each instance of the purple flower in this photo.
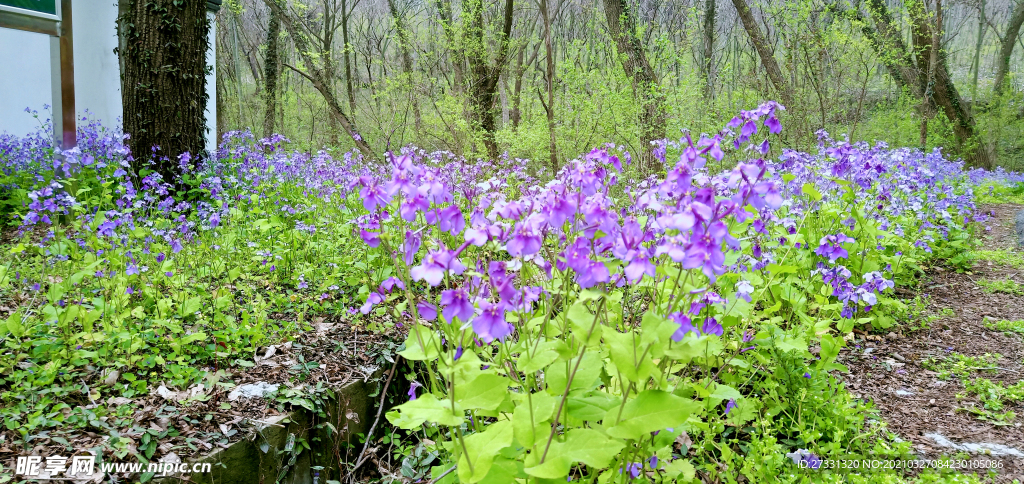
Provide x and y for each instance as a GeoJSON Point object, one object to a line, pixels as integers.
{"type": "Point", "coordinates": [712, 326]}
{"type": "Point", "coordinates": [490, 324]}
{"type": "Point", "coordinates": [426, 310]}
{"type": "Point", "coordinates": [160, 258]}
{"type": "Point", "coordinates": [458, 353]}
{"type": "Point", "coordinates": [526, 240]}
{"type": "Point", "coordinates": [129, 291]}
{"type": "Point", "coordinates": [831, 249]}
{"type": "Point", "coordinates": [371, 239]}
{"type": "Point", "coordinates": [685, 326]}
{"type": "Point", "coordinates": [131, 270]}
{"type": "Point", "coordinates": [434, 266]}
{"type": "Point", "coordinates": [731, 404]}
{"type": "Point", "coordinates": [634, 470]}
{"type": "Point", "coordinates": [169, 273]}
{"type": "Point", "coordinates": [412, 390]}
{"type": "Point", "coordinates": [371, 300]}
{"type": "Point", "coordinates": [448, 219]}
{"type": "Point", "coordinates": [653, 462]}
{"type": "Point", "coordinates": [389, 283]}
{"type": "Point", "coordinates": [807, 375]}
{"type": "Point", "coordinates": [374, 195]}
{"type": "Point", "coordinates": [456, 304]}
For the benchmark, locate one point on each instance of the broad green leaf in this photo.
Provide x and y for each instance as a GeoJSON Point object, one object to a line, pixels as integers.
{"type": "Point", "coordinates": [547, 352]}
{"type": "Point", "coordinates": [721, 392]}
{"type": "Point", "coordinates": [486, 392]}
{"type": "Point", "coordinates": [591, 447]}
{"type": "Point", "coordinates": [651, 410]}
{"type": "Point", "coordinates": [426, 408]}
{"type": "Point", "coordinates": [680, 470]}
{"type": "Point", "coordinates": [792, 343]}
{"type": "Point", "coordinates": [586, 377]}
{"type": "Point", "coordinates": [190, 306]}
{"type": "Point", "coordinates": [556, 464]}
{"type": "Point", "coordinates": [582, 323]}
{"type": "Point", "coordinates": [656, 331]}
{"type": "Point", "coordinates": [623, 353]}
{"type": "Point", "coordinates": [744, 411]}
{"type": "Point", "coordinates": [592, 407]}
{"type": "Point", "coordinates": [811, 191]}
{"type": "Point", "coordinates": [414, 351]}
{"type": "Point", "coordinates": [481, 449]}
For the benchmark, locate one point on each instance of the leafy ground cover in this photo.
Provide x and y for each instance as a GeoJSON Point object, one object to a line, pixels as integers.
{"type": "Point", "coordinates": [959, 373]}
{"type": "Point", "coordinates": [587, 327]}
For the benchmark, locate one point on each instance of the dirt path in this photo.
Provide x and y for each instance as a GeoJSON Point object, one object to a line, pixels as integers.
{"type": "Point", "coordinates": [902, 372]}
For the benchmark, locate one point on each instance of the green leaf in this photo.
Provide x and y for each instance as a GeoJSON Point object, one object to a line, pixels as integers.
{"type": "Point", "coordinates": [811, 191]}
{"type": "Point", "coordinates": [547, 353]}
{"type": "Point", "coordinates": [591, 447]}
{"type": "Point", "coordinates": [481, 449]}
{"type": "Point", "coordinates": [486, 392]}
{"type": "Point", "coordinates": [582, 323]}
{"type": "Point", "coordinates": [656, 331]}
{"type": "Point", "coordinates": [190, 306]}
{"type": "Point", "coordinates": [555, 466]}
{"type": "Point", "coordinates": [592, 407]}
{"type": "Point", "coordinates": [651, 410]}
{"type": "Point", "coordinates": [680, 470]}
{"type": "Point", "coordinates": [529, 427]}
{"type": "Point", "coordinates": [413, 351]}
{"type": "Point", "coordinates": [623, 353]}
{"type": "Point", "coordinates": [721, 392]}
{"type": "Point", "coordinates": [426, 408]}
{"type": "Point", "coordinates": [586, 377]}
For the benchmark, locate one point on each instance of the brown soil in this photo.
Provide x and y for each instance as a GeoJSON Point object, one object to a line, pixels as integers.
{"type": "Point", "coordinates": [882, 366]}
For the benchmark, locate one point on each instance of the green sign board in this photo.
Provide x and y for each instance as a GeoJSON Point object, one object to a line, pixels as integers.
{"type": "Point", "coordinates": [34, 8]}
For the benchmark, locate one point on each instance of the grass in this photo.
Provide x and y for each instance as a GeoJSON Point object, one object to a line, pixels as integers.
{"type": "Point", "coordinates": [1006, 325]}
{"type": "Point", "coordinates": [1001, 286]}
{"type": "Point", "coordinates": [993, 396]}
{"type": "Point", "coordinates": [1002, 257]}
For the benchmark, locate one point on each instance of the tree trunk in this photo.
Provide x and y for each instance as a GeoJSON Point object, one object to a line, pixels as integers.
{"type": "Point", "coordinates": [945, 95]}
{"type": "Point", "coordinates": [1006, 49]}
{"type": "Point", "coordinates": [271, 72]}
{"type": "Point", "coordinates": [622, 27]}
{"type": "Point", "coordinates": [163, 84]}
{"type": "Point", "coordinates": [763, 51]}
{"type": "Point", "coordinates": [549, 79]}
{"type": "Point", "coordinates": [347, 59]}
{"type": "Point", "coordinates": [976, 63]}
{"type": "Point", "coordinates": [707, 60]}
{"type": "Point", "coordinates": [933, 60]}
{"type": "Point", "coordinates": [887, 42]}
{"type": "Point", "coordinates": [316, 77]}
{"type": "Point", "coordinates": [404, 46]}
{"type": "Point", "coordinates": [485, 75]}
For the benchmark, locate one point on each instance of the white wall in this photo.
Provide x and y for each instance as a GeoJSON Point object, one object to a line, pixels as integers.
{"type": "Point", "coordinates": [25, 72]}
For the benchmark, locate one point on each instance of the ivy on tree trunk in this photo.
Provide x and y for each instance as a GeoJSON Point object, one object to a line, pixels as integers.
{"type": "Point", "coordinates": [163, 81]}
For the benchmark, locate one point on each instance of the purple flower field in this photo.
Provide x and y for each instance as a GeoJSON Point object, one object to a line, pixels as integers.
{"type": "Point", "coordinates": [569, 327]}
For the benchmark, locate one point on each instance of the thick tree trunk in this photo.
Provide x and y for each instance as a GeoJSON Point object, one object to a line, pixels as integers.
{"type": "Point", "coordinates": [485, 76]}
{"type": "Point", "coordinates": [944, 93]}
{"type": "Point", "coordinates": [622, 27]}
{"type": "Point", "coordinates": [1006, 49]}
{"type": "Point", "coordinates": [317, 77]}
{"type": "Point", "coordinates": [404, 46]}
{"type": "Point", "coordinates": [771, 66]}
{"type": "Point", "coordinates": [888, 44]}
{"type": "Point", "coordinates": [163, 84]}
{"type": "Point", "coordinates": [707, 59]}
{"type": "Point", "coordinates": [271, 71]}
